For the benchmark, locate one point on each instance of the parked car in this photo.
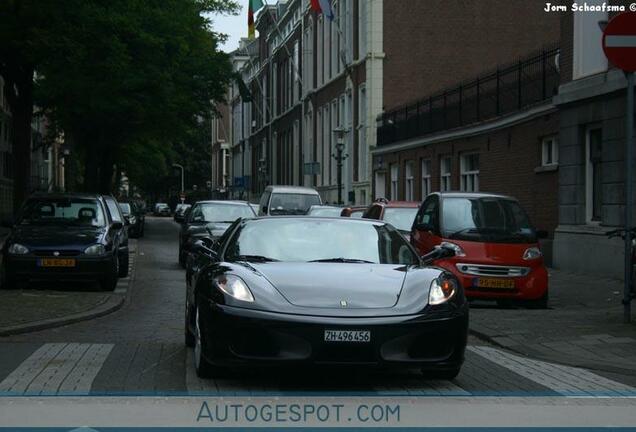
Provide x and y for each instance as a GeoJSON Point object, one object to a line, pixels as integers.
{"type": "Point", "coordinates": [180, 211]}
{"type": "Point", "coordinates": [287, 200]}
{"type": "Point", "coordinates": [354, 212]}
{"type": "Point", "coordinates": [209, 219]}
{"type": "Point", "coordinates": [162, 209]}
{"type": "Point", "coordinates": [400, 214]}
{"type": "Point", "coordinates": [114, 210]}
{"type": "Point", "coordinates": [134, 217]}
{"type": "Point", "coordinates": [65, 237]}
{"type": "Point", "coordinates": [321, 290]}
{"type": "Point", "coordinates": [324, 211]}
{"type": "Point", "coordinates": [497, 254]}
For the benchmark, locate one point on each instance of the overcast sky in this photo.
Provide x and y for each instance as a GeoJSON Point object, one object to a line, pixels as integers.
{"type": "Point", "coordinates": [233, 26]}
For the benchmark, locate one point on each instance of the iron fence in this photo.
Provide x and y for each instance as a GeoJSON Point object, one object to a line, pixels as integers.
{"type": "Point", "coordinates": [508, 89]}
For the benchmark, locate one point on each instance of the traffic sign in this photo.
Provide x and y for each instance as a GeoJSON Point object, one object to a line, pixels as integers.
{"type": "Point", "coordinates": [619, 41]}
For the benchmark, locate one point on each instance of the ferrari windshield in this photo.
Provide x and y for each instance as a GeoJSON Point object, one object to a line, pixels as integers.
{"type": "Point", "coordinates": [319, 240]}
{"type": "Point", "coordinates": [491, 219]}
{"type": "Point", "coordinates": [216, 212]}
{"type": "Point", "coordinates": [63, 211]}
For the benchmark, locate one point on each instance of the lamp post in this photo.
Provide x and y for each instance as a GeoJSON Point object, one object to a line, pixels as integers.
{"type": "Point", "coordinates": [182, 176]}
{"type": "Point", "coordinates": [339, 132]}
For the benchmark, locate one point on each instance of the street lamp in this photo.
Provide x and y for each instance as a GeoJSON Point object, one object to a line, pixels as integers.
{"type": "Point", "coordinates": [339, 132]}
{"type": "Point", "coordinates": [182, 176]}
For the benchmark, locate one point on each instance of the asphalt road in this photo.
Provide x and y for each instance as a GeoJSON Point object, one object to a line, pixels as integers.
{"type": "Point", "coordinates": [139, 350]}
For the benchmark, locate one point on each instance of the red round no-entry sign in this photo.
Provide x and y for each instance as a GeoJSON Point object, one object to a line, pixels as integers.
{"type": "Point", "coordinates": [619, 41]}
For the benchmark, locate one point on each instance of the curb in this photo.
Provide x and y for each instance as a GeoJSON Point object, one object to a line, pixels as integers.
{"type": "Point", "coordinates": [112, 304]}
{"type": "Point", "coordinates": [109, 306]}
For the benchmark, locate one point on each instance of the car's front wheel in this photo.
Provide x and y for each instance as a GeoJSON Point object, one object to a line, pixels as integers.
{"type": "Point", "coordinates": [540, 303]}
{"type": "Point", "coordinates": [124, 262]}
{"type": "Point", "coordinates": [204, 368]}
{"type": "Point", "coordinates": [109, 281]}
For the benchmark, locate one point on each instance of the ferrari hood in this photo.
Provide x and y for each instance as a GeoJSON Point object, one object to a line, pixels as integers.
{"type": "Point", "coordinates": [336, 285]}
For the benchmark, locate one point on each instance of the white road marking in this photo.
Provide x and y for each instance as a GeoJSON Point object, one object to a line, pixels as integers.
{"type": "Point", "coordinates": [57, 367]}
{"type": "Point", "coordinates": [565, 380]}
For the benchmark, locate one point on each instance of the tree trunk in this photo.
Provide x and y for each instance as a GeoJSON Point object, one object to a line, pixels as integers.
{"type": "Point", "coordinates": [21, 105]}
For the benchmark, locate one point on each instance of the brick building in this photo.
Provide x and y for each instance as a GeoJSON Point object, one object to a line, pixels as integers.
{"type": "Point", "coordinates": [470, 113]}
{"type": "Point", "coordinates": [592, 108]}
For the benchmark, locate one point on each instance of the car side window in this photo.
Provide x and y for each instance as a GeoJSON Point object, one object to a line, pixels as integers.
{"type": "Point", "coordinates": [428, 213]}
{"type": "Point", "coordinates": [374, 212]}
{"type": "Point", "coordinates": [113, 209]}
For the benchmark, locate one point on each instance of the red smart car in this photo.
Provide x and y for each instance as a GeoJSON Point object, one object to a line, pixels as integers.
{"type": "Point", "coordinates": [497, 253]}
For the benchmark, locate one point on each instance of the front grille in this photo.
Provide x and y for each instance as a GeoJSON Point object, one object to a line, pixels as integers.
{"type": "Point", "coordinates": [60, 253]}
{"type": "Point", "coordinates": [492, 270]}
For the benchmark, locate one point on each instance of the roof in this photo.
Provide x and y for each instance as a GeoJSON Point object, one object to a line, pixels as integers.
{"type": "Point", "coordinates": [58, 195]}
{"type": "Point", "coordinates": [292, 189]}
{"type": "Point", "coordinates": [401, 204]}
{"type": "Point", "coordinates": [473, 195]}
{"type": "Point", "coordinates": [320, 219]}
{"type": "Point", "coordinates": [223, 202]}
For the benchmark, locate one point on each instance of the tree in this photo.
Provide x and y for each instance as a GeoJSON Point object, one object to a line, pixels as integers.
{"type": "Point", "coordinates": [110, 75]}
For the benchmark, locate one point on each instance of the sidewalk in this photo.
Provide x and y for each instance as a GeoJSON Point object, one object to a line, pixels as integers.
{"type": "Point", "coordinates": [41, 306]}
{"type": "Point", "coordinates": [583, 326]}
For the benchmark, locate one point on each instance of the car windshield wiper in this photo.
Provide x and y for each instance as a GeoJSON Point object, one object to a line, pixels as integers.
{"type": "Point", "coordinates": [343, 260]}
{"type": "Point", "coordinates": [255, 258]}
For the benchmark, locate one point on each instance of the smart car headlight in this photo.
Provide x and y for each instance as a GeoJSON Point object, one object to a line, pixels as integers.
{"type": "Point", "coordinates": [18, 249]}
{"type": "Point", "coordinates": [234, 287]}
{"type": "Point", "coordinates": [97, 249]}
{"type": "Point", "coordinates": [442, 290]}
{"type": "Point", "coordinates": [458, 250]}
{"type": "Point", "coordinates": [532, 253]}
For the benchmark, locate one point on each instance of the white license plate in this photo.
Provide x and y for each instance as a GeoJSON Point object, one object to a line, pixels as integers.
{"type": "Point", "coordinates": [355, 336]}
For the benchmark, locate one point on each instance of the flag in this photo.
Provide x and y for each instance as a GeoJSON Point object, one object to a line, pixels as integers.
{"type": "Point", "coordinates": [245, 93]}
{"type": "Point", "coordinates": [254, 6]}
{"type": "Point", "coordinates": [323, 6]}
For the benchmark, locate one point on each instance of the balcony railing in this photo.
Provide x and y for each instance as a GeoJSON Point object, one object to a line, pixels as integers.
{"type": "Point", "coordinates": [509, 89]}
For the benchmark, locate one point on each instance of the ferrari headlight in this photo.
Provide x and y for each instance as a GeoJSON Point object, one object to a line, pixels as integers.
{"type": "Point", "coordinates": [18, 249]}
{"type": "Point", "coordinates": [532, 253]}
{"type": "Point", "coordinates": [458, 250]}
{"type": "Point", "coordinates": [442, 290]}
{"type": "Point", "coordinates": [234, 287]}
{"type": "Point", "coordinates": [97, 249]}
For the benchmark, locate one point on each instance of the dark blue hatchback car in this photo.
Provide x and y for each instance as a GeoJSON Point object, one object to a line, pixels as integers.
{"type": "Point", "coordinates": [66, 237]}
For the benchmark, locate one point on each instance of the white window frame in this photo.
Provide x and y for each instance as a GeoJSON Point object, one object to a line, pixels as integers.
{"type": "Point", "coordinates": [445, 183]}
{"type": "Point", "coordinates": [550, 151]}
{"type": "Point", "coordinates": [409, 181]}
{"type": "Point", "coordinates": [395, 176]}
{"type": "Point", "coordinates": [587, 56]}
{"type": "Point", "coordinates": [426, 178]}
{"type": "Point", "coordinates": [469, 177]}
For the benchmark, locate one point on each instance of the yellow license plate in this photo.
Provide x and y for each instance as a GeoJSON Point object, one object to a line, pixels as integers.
{"type": "Point", "coordinates": [57, 262]}
{"type": "Point", "coordinates": [495, 283]}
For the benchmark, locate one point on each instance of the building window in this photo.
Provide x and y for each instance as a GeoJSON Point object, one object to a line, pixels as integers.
{"type": "Point", "coordinates": [593, 174]}
{"type": "Point", "coordinates": [469, 169]}
{"type": "Point", "coordinates": [445, 174]}
{"type": "Point", "coordinates": [320, 48]}
{"type": "Point", "coordinates": [409, 182]}
{"type": "Point", "coordinates": [426, 178]}
{"type": "Point", "coordinates": [549, 151]}
{"type": "Point", "coordinates": [394, 181]}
